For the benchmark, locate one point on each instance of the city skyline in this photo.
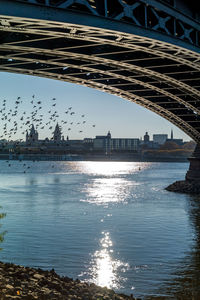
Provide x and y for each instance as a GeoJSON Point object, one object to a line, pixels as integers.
{"type": "Point", "coordinates": [66, 137]}
{"type": "Point", "coordinates": [106, 112]}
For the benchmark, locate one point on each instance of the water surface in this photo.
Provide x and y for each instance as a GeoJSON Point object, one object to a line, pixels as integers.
{"type": "Point", "coordinates": [111, 223]}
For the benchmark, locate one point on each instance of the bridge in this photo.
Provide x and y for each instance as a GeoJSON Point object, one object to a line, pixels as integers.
{"type": "Point", "coordinates": [146, 51]}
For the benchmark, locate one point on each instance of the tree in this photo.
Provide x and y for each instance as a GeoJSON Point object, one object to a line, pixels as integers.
{"type": "Point", "coordinates": [169, 146]}
{"type": "Point", "coordinates": [189, 146]}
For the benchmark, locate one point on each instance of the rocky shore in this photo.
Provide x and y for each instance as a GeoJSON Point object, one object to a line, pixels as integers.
{"type": "Point", "coordinates": [18, 282]}
{"type": "Point", "coordinates": [184, 186]}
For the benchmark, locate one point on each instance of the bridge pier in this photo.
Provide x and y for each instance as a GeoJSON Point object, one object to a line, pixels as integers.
{"type": "Point", "coordinates": [191, 184]}
{"type": "Point", "coordinates": [193, 174]}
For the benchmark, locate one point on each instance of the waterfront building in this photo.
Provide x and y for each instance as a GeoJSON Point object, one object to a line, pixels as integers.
{"type": "Point", "coordinates": [146, 143]}
{"type": "Point", "coordinates": [160, 138]}
{"type": "Point", "coordinates": [146, 138]}
{"type": "Point", "coordinates": [125, 144]}
{"type": "Point", "coordinates": [103, 144]}
{"type": "Point", "coordinates": [32, 136]}
{"type": "Point", "coordinates": [57, 133]}
{"type": "Point", "coordinates": [108, 145]}
{"type": "Point", "coordinates": [88, 144]}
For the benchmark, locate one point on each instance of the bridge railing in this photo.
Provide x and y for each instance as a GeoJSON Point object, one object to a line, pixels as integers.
{"type": "Point", "coordinates": [150, 14]}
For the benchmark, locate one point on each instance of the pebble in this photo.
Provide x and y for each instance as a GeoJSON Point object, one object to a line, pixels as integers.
{"type": "Point", "coordinates": [18, 282]}
{"type": "Point", "coordinates": [9, 287]}
{"type": "Point", "coordinates": [38, 276]}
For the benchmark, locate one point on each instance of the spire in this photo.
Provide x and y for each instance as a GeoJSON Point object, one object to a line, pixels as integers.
{"type": "Point", "coordinates": [26, 135]}
{"type": "Point", "coordinates": [32, 136]}
{"type": "Point", "coordinates": [172, 135]}
{"type": "Point", "coordinates": [32, 131]}
{"type": "Point", "coordinates": [57, 133]}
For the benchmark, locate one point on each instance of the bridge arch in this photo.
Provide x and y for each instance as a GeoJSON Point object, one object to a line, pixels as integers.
{"type": "Point", "coordinates": [149, 66]}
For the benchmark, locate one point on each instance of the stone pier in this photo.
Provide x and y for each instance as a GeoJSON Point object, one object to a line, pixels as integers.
{"type": "Point", "coordinates": [193, 174]}
{"type": "Point", "coordinates": [191, 184]}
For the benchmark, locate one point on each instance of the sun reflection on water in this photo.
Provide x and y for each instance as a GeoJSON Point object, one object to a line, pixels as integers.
{"type": "Point", "coordinates": [104, 269]}
{"type": "Point", "coordinates": [109, 182]}
{"type": "Point", "coordinates": [110, 168]}
{"type": "Point", "coordinates": [108, 190]}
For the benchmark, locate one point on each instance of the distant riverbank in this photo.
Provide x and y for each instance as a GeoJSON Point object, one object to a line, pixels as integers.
{"type": "Point", "coordinates": [133, 158]}
{"type": "Point", "coordinates": [93, 157]}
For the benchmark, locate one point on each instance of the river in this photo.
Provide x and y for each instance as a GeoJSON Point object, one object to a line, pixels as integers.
{"type": "Point", "coordinates": [111, 223]}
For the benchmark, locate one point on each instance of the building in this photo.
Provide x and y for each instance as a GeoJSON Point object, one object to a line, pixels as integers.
{"type": "Point", "coordinates": [146, 138]}
{"type": "Point", "coordinates": [32, 137]}
{"type": "Point", "coordinates": [108, 145]}
{"type": "Point", "coordinates": [160, 138]}
{"type": "Point", "coordinates": [56, 145]}
{"type": "Point", "coordinates": [102, 143]}
{"type": "Point", "coordinates": [57, 133]}
{"type": "Point", "coordinates": [146, 143]}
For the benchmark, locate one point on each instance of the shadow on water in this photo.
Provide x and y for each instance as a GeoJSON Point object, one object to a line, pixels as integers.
{"type": "Point", "coordinates": [2, 233]}
{"type": "Point", "coordinates": [186, 280]}
{"type": "Point", "coordinates": [189, 279]}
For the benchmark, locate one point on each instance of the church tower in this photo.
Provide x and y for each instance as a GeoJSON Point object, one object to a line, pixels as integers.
{"type": "Point", "coordinates": [32, 137]}
{"type": "Point", "coordinates": [109, 135]}
{"type": "Point", "coordinates": [57, 133]}
{"type": "Point", "coordinates": [146, 138]}
{"type": "Point", "coordinates": [27, 136]}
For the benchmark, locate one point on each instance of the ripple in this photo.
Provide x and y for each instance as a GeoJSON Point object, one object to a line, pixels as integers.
{"type": "Point", "coordinates": [107, 190]}
{"type": "Point", "coordinates": [104, 270]}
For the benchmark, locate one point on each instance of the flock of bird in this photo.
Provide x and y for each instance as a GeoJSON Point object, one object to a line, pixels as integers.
{"type": "Point", "coordinates": [15, 120]}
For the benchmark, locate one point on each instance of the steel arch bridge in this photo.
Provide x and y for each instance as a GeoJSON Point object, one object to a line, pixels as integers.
{"type": "Point", "coordinates": [146, 51]}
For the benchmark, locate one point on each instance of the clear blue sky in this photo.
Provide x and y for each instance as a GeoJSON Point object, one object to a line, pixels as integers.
{"type": "Point", "coordinates": [107, 112]}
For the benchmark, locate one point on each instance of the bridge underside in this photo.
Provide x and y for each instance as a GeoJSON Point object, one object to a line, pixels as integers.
{"type": "Point", "coordinates": [160, 76]}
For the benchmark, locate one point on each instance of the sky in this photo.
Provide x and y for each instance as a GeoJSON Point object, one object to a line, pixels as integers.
{"type": "Point", "coordinates": [123, 118]}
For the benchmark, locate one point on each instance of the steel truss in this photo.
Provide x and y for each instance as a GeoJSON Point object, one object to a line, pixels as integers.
{"type": "Point", "coordinates": [150, 14]}
{"type": "Point", "coordinates": [160, 76]}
